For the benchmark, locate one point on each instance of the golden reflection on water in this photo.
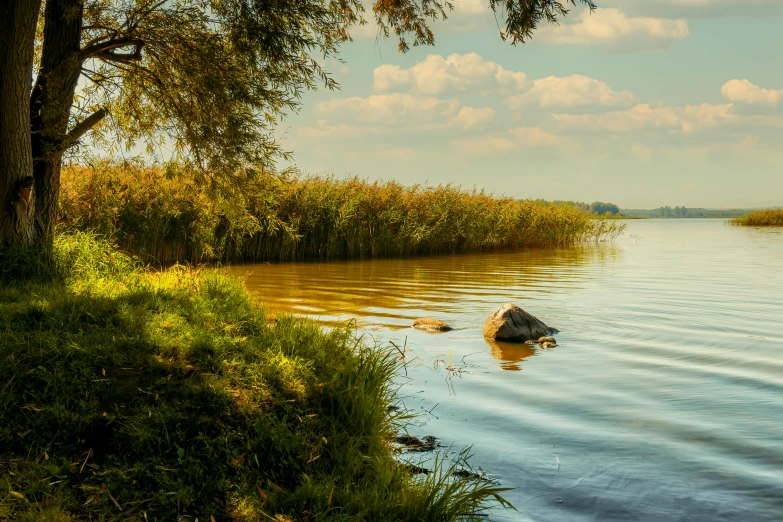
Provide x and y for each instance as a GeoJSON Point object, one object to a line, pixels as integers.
{"type": "Point", "coordinates": [510, 354]}
{"type": "Point", "coordinates": [389, 294]}
{"type": "Point", "coordinates": [662, 400]}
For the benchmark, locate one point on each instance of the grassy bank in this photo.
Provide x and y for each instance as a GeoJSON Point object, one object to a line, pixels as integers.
{"type": "Point", "coordinates": [128, 395]}
{"type": "Point", "coordinates": [166, 216]}
{"type": "Point", "coordinates": [761, 218]}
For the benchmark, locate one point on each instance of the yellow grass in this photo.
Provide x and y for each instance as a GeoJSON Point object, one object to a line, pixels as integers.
{"type": "Point", "coordinates": [167, 216]}
{"type": "Point", "coordinates": [761, 218]}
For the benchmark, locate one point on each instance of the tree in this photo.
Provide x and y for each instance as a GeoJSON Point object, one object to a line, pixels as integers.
{"type": "Point", "coordinates": [207, 77]}
{"type": "Point", "coordinates": [602, 208]}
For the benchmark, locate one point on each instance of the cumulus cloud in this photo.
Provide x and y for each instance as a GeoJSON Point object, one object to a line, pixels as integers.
{"type": "Point", "coordinates": [384, 113]}
{"type": "Point", "coordinates": [743, 91]}
{"type": "Point", "coordinates": [389, 109]}
{"type": "Point", "coordinates": [454, 73]}
{"type": "Point", "coordinates": [468, 15]}
{"type": "Point", "coordinates": [469, 118]}
{"type": "Point", "coordinates": [612, 28]}
{"type": "Point", "coordinates": [516, 138]}
{"type": "Point", "coordinates": [535, 137]}
{"type": "Point", "coordinates": [570, 91]}
{"type": "Point", "coordinates": [688, 118]}
{"type": "Point", "coordinates": [471, 6]}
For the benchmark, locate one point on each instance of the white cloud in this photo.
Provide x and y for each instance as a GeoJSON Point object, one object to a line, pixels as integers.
{"type": "Point", "coordinates": [389, 109]}
{"type": "Point", "coordinates": [688, 118]}
{"type": "Point", "coordinates": [384, 113]}
{"type": "Point", "coordinates": [611, 27]}
{"type": "Point", "coordinates": [570, 91]}
{"type": "Point", "coordinates": [469, 118]}
{"type": "Point", "coordinates": [438, 75]}
{"type": "Point", "coordinates": [518, 137]}
{"type": "Point", "coordinates": [468, 15]}
{"type": "Point", "coordinates": [743, 91]}
{"type": "Point", "coordinates": [471, 6]}
{"type": "Point", "coordinates": [721, 148]}
{"type": "Point", "coordinates": [535, 137]}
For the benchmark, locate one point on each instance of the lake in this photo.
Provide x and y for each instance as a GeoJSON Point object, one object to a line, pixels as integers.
{"type": "Point", "coordinates": [662, 402]}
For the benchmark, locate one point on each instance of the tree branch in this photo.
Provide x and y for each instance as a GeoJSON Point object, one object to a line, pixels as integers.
{"type": "Point", "coordinates": [82, 127]}
{"type": "Point", "coordinates": [109, 56]}
{"type": "Point", "coordinates": [104, 50]}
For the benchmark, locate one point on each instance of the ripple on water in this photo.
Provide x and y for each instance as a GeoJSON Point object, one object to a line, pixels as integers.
{"type": "Point", "coordinates": [662, 402]}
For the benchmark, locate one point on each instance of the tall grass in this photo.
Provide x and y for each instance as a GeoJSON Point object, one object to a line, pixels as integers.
{"type": "Point", "coordinates": [167, 217]}
{"type": "Point", "coordinates": [761, 218]}
{"type": "Point", "coordinates": [129, 395]}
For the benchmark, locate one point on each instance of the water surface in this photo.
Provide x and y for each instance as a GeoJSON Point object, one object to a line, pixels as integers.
{"type": "Point", "coordinates": [662, 402]}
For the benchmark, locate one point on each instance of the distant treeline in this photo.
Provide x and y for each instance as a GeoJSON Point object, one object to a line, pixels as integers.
{"type": "Point", "coordinates": [597, 207]}
{"type": "Point", "coordinates": [600, 208]}
{"type": "Point", "coordinates": [685, 212]}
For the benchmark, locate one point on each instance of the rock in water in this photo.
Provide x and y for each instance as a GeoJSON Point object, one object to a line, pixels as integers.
{"type": "Point", "coordinates": [511, 323]}
{"type": "Point", "coordinates": [428, 323]}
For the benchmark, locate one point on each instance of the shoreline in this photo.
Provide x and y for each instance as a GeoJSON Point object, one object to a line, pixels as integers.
{"type": "Point", "coordinates": [169, 393]}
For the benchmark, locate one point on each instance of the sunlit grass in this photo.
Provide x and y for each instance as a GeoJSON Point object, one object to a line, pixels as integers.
{"type": "Point", "coordinates": [263, 217]}
{"type": "Point", "coordinates": [129, 395]}
{"type": "Point", "coordinates": [761, 218]}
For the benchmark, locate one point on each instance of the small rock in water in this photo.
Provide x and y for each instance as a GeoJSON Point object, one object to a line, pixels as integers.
{"type": "Point", "coordinates": [434, 325]}
{"type": "Point", "coordinates": [547, 339]}
{"type": "Point", "coordinates": [511, 323]}
{"type": "Point", "coordinates": [547, 344]}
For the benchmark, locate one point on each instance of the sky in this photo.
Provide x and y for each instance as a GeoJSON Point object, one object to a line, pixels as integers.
{"type": "Point", "coordinates": [643, 103]}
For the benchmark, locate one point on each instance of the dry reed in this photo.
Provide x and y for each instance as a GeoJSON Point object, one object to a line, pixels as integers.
{"type": "Point", "coordinates": [761, 218]}
{"type": "Point", "coordinates": [166, 216]}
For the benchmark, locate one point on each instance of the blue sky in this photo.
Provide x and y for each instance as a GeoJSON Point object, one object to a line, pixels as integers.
{"type": "Point", "coordinates": [643, 103]}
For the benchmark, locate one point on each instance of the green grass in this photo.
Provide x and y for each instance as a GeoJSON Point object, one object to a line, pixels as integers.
{"type": "Point", "coordinates": [170, 215]}
{"type": "Point", "coordinates": [128, 395]}
{"type": "Point", "coordinates": [761, 218]}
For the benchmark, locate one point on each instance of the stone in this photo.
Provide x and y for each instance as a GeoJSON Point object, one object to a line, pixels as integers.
{"type": "Point", "coordinates": [547, 344]}
{"type": "Point", "coordinates": [547, 339]}
{"type": "Point", "coordinates": [511, 323]}
{"type": "Point", "coordinates": [433, 325]}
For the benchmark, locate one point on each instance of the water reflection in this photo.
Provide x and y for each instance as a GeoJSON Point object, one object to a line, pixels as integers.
{"type": "Point", "coordinates": [662, 401]}
{"type": "Point", "coordinates": [391, 293]}
{"type": "Point", "coordinates": [510, 354]}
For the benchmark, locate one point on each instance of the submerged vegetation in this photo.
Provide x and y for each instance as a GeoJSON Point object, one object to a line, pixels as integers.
{"type": "Point", "coordinates": [761, 218]}
{"type": "Point", "coordinates": [166, 215]}
{"type": "Point", "coordinates": [162, 396]}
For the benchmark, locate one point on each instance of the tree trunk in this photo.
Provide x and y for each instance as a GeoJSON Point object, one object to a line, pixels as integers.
{"type": "Point", "coordinates": [17, 194]}
{"type": "Point", "coordinates": [50, 105]}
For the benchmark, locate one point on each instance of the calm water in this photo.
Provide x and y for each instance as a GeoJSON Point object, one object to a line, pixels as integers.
{"type": "Point", "coordinates": [662, 402]}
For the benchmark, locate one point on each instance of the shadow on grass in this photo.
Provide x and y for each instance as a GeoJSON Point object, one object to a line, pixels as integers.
{"type": "Point", "coordinates": [127, 395]}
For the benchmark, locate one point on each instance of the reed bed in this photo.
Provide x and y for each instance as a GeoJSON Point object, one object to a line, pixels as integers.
{"type": "Point", "coordinates": [166, 215]}
{"type": "Point", "coordinates": [760, 218]}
